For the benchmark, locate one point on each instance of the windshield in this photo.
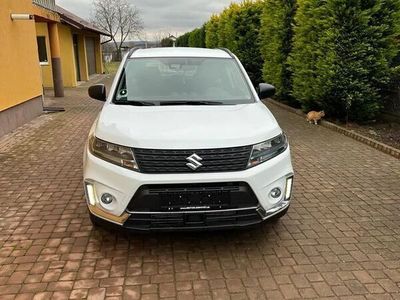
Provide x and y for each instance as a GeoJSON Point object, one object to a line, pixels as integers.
{"type": "Point", "coordinates": [174, 81]}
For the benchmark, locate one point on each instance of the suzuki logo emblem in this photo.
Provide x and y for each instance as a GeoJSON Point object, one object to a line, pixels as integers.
{"type": "Point", "coordinates": [194, 161]}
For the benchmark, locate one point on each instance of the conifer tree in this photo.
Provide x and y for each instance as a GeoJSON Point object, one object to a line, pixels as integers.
{"type": "Point", "coordinates": [246, 26]}
{"type": "Point", "coordinates": [342, 55]}
{"type": "Point", "coordinates": [276, 34]}
{"type": "Point", "coordinates": [212, 32]}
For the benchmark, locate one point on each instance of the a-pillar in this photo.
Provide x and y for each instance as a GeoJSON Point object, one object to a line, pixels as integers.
{"type": "Point", "coordinates": [56, 60]}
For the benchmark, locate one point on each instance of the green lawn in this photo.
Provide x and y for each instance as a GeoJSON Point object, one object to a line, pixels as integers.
{"type": "Point", "coordinates": [111, 67]}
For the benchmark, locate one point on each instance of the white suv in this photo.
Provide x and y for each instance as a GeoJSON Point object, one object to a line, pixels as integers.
{"type": "Point", "coordinates": [183, 142]}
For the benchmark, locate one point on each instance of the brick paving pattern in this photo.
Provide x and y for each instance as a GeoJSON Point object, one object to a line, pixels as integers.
{"type": "Point", "coordinates": [340, 239]}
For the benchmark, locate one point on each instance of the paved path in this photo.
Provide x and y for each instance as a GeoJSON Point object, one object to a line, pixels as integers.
{"type": "Point", "coordinates": [341, 238]}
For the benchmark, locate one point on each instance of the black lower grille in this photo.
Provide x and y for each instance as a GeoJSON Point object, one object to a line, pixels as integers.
{"type": "Point", "coordinates": [193, 206]}
{"type": "Point", "coordinates": [192, 197]}
{"type": "Point", "coordinates": [174, 161]}
{"type": "Point", "coordinates": [193, 221]}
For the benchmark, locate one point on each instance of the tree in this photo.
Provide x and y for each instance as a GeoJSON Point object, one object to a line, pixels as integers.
{"type": "Point", "coordinates": [167, 42]}
{"type": "Point", "coordinates": [342, 55]}
{"type": "Point", "coordinates": [197, 38]}
{"type": "Point", "coordinates": [212, 32]}
{"type": "Point", "coordinates": [237, 28]}
{"type": "Point", "coordinates": [246, 27]}
{"type": "Point", "coordinates": [183, 40]}
{"type": "Point", "coordinates": [226, 30]}
{"type": "Point", "coordinates": [119, 18]}
{"type": "Point", "coordinates": [159, 36]}
{"type": "Point", "coordinates": [276, 35]}
{"type": "Point", "coordinates": [309, 47]}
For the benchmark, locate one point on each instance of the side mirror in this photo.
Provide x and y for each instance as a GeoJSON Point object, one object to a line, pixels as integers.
{"type": "Point", "coordinates": [98, 92]}
{"type": "Point", "coordinates": [266, 90]}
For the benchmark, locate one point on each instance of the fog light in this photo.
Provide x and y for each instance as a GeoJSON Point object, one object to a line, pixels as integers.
{"type": "Point", "coordinates": [289, 185]}
{"type": "Point", "coordinates": [107, 198]}
{"type": "Point", "coordinates": [276, 193]}
{"type": "Point", "coordinates": [90, 193]}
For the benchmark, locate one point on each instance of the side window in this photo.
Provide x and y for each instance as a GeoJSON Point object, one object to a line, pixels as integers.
{"type": "Point", "coordinates": [41, 42]}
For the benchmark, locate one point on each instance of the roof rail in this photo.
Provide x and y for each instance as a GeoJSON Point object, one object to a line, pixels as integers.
{"type": "Point", "coordinates": [227, 51]}
{"type": "Point", "coordinates": [132, 50]}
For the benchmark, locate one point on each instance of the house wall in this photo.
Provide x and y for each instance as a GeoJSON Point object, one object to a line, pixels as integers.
{"type": "Point", "coordinates": [83, 64]}
{"type": "Point", "coordinates": [20, 78]}
{"type": "Point", "coordinates": [99, 55]}
{"type": "Point", "coordinates": [83, 58]}
{"type": "Point", "coordinates": [47, 75]}
{"type": "Point", "coordinates": [19, 60]}
{"type": "Point", "coordinates": [67, 56]}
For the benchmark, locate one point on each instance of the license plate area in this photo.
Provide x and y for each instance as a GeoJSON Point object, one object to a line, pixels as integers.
{"type": "Point", "coordinates": [192, 197]}
{"type": "Point", "coordinates": [195, 200]}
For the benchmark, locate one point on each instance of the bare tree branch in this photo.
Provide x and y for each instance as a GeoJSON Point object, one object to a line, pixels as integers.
{"type": "Point", "coordinates": [119, 18]}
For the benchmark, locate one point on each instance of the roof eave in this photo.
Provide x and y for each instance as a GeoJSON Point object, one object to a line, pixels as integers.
{"type": "Point", "coordinates": [77, 22]}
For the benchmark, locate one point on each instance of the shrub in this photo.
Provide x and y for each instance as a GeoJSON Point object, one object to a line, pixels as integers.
{"type": "Point", "coordinates": [226, 30]}
{"type": "Point", "coordinates": [197, 37]}
{"type": "Point", "coordinates": [338, 56]}
{"type": "Point", "coordinates": [276, 34]}
{"type": "Point", "coordinates": [342, 54]}
{"type": "Point", "coordinates": [246, 26]}
{"type": "Point", "coordinates": [166, 42]}
{"type": "Point", "coordinates": [308, 49]}
{"type": "Point", "coordinates": [212, 32]}
{"type": "Point", "coordinates": [183, 40]}
{"type": "Point", "coordinates": [237, 28]}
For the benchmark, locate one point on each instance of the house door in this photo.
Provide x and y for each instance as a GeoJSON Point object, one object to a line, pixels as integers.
{"type": "Point", "coordinates": [91, 56]}
{"type": "Point", "coordinates": [76, 53]}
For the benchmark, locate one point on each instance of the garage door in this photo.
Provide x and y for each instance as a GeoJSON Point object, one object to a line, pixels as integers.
{"type": "Point", "coordinates": [90, 54]}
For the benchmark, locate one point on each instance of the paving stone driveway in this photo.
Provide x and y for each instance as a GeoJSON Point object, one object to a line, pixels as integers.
{"type": "Point", "coordinates": [340, 238]}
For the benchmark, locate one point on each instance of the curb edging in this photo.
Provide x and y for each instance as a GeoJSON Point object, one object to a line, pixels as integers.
{"type": "Point", "coordinates": [356, 136]}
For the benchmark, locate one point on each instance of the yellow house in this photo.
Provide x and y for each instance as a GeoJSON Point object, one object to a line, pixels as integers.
{"type": "Point", "coordinates": [43, 46]}
{"type": "Point", "coordinates": [79, 49]}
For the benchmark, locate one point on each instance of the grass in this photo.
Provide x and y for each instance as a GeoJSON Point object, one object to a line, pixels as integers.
{"type": "Point", "coordinates": [111, 67]}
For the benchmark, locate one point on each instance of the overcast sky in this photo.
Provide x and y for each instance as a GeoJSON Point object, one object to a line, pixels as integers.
{"type": "Point", "coordinates": [161, 16]}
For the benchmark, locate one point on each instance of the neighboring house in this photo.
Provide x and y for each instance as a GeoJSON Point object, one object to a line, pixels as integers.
{"type": "Point", "coordinates": [43, 45]}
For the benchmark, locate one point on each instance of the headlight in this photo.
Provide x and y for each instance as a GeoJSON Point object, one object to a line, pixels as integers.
{"type": "Point", "coordinates": [115, 154]}
{"type": "Point", "coordinates": [267, 150]}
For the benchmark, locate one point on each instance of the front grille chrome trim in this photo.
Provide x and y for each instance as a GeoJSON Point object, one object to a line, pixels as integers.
{"type": "Point", "coordinates": [192, 211]}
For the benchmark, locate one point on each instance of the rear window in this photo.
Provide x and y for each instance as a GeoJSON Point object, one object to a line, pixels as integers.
{"type": "Point", "coordinates": [183, 79]}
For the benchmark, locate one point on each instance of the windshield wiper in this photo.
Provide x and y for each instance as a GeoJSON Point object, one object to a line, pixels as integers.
{"type": "Point", "coordinates": [134, 103]}
{"type": "Point", "coordinates": [190, 103]}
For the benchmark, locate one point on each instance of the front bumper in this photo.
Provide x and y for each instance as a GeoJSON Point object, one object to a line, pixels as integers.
{"type": "Point", "coordinates": [102, 177]}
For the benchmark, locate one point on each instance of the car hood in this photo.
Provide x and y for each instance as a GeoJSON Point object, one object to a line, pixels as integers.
{"type": "Point", "coordinates": [186, 127]}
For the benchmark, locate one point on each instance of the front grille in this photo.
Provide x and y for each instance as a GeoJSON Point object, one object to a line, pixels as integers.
{"type": "Point", "coordinates": [192, 197]}
{"type": "Point", "coordinates": [174, 161]}
{"type": "Point", "coordinates": [193, 221]}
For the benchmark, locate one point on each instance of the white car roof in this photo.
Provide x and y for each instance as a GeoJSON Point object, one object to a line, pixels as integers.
{"type": "Point", "coordinates": [179, 52]}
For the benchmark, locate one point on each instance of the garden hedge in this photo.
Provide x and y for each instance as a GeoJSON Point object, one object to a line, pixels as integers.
{"type": "Point", "coordinates": [197, 37]}
{"type": "Point", "coordinates": [342, 55]}
{"type": "Point", "coordinates": [276, 44]}
{"type": "Point", "coordinates": [336, 55]}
